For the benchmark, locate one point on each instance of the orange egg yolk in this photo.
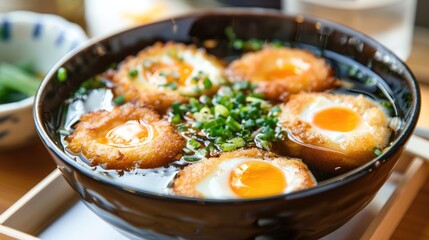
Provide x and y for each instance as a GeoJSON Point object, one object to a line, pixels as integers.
{"type": "Point", "coordinates": [338, 119]}
{"type": "Point", "coordinates": [130, 134]}
{"type": "Point", "coordinates": [257, 179]}
{"type": "Point", "coordinates": [284, 68]}
{"type": "Point", "coordinates": [175, 72]}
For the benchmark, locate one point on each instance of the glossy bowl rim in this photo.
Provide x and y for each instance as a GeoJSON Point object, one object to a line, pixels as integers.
{"type": "Point", "coordinates": [329, 184]}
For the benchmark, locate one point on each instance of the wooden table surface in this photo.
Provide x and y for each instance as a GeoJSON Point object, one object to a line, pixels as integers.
{"type": "Point", "coordinates": [21, 169]}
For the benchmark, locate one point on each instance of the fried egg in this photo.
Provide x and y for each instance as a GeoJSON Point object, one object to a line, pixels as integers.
{"type": "Point", "coordinates": [243, 174]}
{"type": "Point", "coordinates": [126, 137]}
{"type": "Point", "coordinates": [279, 72]}
{"type": "Point", "coordinates": [333, 132]}
{"type": "Point", "coordinates": [164, 73]}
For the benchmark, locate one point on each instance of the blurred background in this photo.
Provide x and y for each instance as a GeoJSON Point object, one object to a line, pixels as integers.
{"type": "Point", "coordinates": [401, 25]}
{"type": "Point", "coordinates": [389, 21]}
{"type": "Point", "coordinates": [74, 10]}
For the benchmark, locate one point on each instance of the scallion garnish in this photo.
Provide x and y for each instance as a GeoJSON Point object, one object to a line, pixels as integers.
{"type": "Point", "coordinates": [233, 118]}
{"type": "Point", "coordinates": [193, 144]}
{"type": "Point", "coordinates": [192, 158]}
{"type": "Point", "coordinates": [176, 118]}
{"type": "Point", "coordinates": [62, 74]}
{"type": "Point", "coordinates": [93, 83]}
{"type": "Point", "coordinates": [252, 44]}
{"type": "Point", "coordinates": [119, 100]}
{"type": "Point", "coordinates": [207, 83]}
{"type": "Point", "coordinates": [221, 110]}
{"type": "Point", "coordinates": [377, 151]}
{"type": "Point", "coordinates": [133, 73]}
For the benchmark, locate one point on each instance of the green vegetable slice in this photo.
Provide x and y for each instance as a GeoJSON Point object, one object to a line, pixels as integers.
{"type": "Point", "coordinates": [16, 79]}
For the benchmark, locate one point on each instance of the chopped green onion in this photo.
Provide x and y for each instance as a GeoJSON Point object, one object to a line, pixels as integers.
{"type": "Point", "coordinates": [210, 124]}
{"type": "Point", "coordinates": [228, 120]}
{"type": "Point", "coordinates": [207, 83]}
{"type": "Point", "coordinates": [238, 44]}
{"type": "Point", "coordinates": [176, 118]}
{"type": "Point", "coordinates": [257, 95]}
{"type": "Point", "coordinates": [202, 152]}
{"type": "Point", "coordinates": [176, 107]}
{"type": "Point", "coordinates": [266, 145]}
{"type": "Point", "coordinates": [172, 86]}
{"type": "Point", "coordinates": [242, 85]}
{"type": "Point", "coordinates": [228, 147]}
{"type": "Point", "coordinates": [238, 142]}
{"type": "Point", "coordinates": [193, 144]}
{"type": "Point", "coordinates": [119, 100]}
{"type": "Point", "coordinates": [195, 105]}
{"type": "Point", "coordinates": [229, 32]}
{"type": "Point", "coordinates": [240, 98]}
{"type": "Point", "coordinates": [205, 99]}
{"type": "Point", "coordinates": [203, 115]}
{"type": "Point", "coordinates": [234, 125]}
{"type": "Point", "coordinates": [198, 125]}
{"type": "Point", "coordinates": [377, 151]}
{"type": "Point", "coordinates": [221, 110]}
{"type": "Point", "coordinates": [182, 127]}
{"type": "Point", "coordinates": [275, 110]}
{"type": "Point", "coordinates": [370, 81]}
{"type": "Point", "coordinates": [187, 150]}
{"type": "Point", "coordinates": [254, 44]}
{"type": "Point", "coordinates": [133, 73]}
{"type": "Point", "coordinates": [192, 158]}
{"type": "Point", "coordinates": [260, 121]}
{"type": "Point", "coordinates": [62, 74]}
{"type": "Point", "coordinates": [249, 123]}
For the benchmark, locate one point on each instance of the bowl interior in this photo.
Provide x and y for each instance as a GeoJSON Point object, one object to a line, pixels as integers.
{"type": "Point", "coordinates": [322, 37]}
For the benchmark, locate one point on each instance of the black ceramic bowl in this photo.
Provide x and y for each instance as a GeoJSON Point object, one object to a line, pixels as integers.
{"type": "Point", "coordinates": [305, 214]}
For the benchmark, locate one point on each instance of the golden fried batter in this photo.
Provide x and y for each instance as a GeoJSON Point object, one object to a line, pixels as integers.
{"type": "Point", "coordinates": [217, 177]}
{"type": "Point", "coordinates": [164, 73]}
{"type": "Point", "coordinates": [333, 133]}
{"type": "Point", "coordinates": [279, 72]}
{"type": "Point", "coordinates": [126, 137]}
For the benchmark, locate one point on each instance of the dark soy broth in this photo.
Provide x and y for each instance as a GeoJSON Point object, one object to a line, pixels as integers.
{"type": "Point", "coordinates": [356, 79]}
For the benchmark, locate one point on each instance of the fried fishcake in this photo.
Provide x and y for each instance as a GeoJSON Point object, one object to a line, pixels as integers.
{"type": "Point", "coordinates": [243, 174]}
{"type": "Point", "coordinates": [333, 133]}
{"type": "Point", "coordinates": [165, 73]}
{"type": "Point", "coordinates": [126, 137]}
{"type": "Point", "coordinates": [279, 72]}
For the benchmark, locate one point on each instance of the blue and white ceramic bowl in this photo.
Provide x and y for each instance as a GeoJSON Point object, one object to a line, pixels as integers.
{"type": "Point", "coordinates": [41, 39]}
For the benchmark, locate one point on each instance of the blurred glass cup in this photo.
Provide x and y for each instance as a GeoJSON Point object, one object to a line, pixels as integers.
{"type": "Point", "coordinates": [391, 22]}
{"type": "Point", "coordinates": [107, 16]}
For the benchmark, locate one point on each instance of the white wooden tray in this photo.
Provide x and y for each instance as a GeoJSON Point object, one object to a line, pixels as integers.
{"type": "Point", "coordinates": [51, 210]}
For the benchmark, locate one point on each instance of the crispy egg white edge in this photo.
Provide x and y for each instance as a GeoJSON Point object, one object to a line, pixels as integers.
{"type": "Point", "coordinates": [322, 103]}
{"type": "Point", "coordinates": [199, 63]}
{"type": "Point", "coordinates": [216, 185]}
